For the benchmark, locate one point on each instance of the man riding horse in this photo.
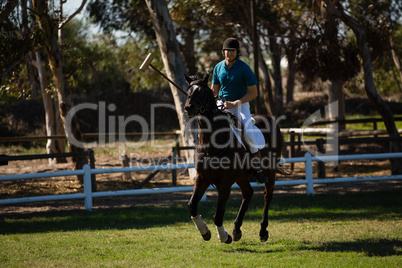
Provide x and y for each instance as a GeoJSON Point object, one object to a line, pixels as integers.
{"type": "Point", "coordinates": [219, 164]}
{"type": "Point", "coordinates": [234, 81]}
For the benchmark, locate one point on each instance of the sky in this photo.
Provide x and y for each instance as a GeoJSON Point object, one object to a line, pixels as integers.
{"type": "Point", "coordinates": [72, 5]}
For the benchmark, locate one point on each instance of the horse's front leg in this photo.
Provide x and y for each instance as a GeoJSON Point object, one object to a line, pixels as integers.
{"type": "Point", "coordinates": [247, 193]}
{"type": "Point", "coordinates": [223, 197]}
{"type": "Point", "coordinates": [200, 186]}
{"type": "Point", "coordinates": [268, 194]}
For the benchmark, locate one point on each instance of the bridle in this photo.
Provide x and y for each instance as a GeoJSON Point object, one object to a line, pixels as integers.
{"type": "Point", "coordinates": [203, 108]}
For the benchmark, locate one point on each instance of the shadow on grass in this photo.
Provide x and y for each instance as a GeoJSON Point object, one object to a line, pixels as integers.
{"type": "Point", "coordinates": [348, 207]}
{"type": "Point", "coordinates": [370, 247]}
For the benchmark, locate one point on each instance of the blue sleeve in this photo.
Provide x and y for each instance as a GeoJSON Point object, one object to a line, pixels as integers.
{"type": "Point", "coordinates": [215, 77]}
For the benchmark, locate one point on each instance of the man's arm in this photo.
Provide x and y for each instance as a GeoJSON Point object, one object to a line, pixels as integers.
{"type": "Point", "coordinates": [215, 90]}
{"type": "Point", "coordinates": [251, 94]}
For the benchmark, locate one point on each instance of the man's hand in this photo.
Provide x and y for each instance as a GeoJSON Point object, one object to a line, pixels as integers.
{"type": "Point", "coordinates": [231, 104]}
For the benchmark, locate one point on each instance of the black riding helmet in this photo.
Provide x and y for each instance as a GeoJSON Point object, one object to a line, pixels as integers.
{"type": "Point", "coordinates": [231, 43]}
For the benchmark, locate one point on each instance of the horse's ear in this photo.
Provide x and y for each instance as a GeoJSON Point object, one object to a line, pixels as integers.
{"type": "Point", "coordinates": [206, 77]}
{"type": "Point", "coordinates": [188, 79]}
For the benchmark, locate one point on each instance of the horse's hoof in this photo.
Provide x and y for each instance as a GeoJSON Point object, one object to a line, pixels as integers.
{"type": "Point", "coordinates": [207, 236]}
{"type": "Point", "coordinates": [264, 235]}
{"type": "Point", "coordinates": [229, 239]}
{"type": "Point", "coordinates": [237, 235]}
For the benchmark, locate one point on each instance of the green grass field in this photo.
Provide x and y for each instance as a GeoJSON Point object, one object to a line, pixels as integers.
{"type": "Point", "coordinates": [328, 230]}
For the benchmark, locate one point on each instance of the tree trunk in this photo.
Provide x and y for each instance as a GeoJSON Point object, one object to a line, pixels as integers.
{"type": "Point", "coordinates": [256, 53]}
{"type": "Point", "coordinates": [335, 93]}
{"type": "Point", "coordinates": [51, 115]}
{"type": "Point", "coordinates": [50, 31]}
{"type": "Point", "coordinates": [290, 85]}
{"type": "Point", "coordinates": [371, 91]}
{"type": "Point", "coordinates": [267, 86]}
{"type": "Point", "coordinates": [395, 58]}
{"type": "Point", "coordinates": [31, 75]}
{"type": "Point", "coordinates": [174, 66]}
{"type": "Point", "coordinates": [276, 62]}
{"type": "Point", "coordinates": [189, 50]}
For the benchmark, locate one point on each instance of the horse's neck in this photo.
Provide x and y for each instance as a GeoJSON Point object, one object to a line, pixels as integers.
{"type": "Point", "coordinates": [204, 130]}
{"type": "Point", "coordinates": [207, 129]}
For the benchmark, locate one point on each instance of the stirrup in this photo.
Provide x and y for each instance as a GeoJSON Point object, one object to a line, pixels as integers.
{"type": "Point", "coordinates": [259, 177]}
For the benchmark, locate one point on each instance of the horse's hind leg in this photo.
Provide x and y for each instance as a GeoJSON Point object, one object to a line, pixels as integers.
{"type": "Point", "coordinates": [200, 187]}
{"type": "Point", "coordinates": [247, 193]}
{"type": "Point", "coordinates": [268, 193]}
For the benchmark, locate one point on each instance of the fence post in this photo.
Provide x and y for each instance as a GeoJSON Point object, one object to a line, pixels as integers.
{"type": "Point", "coordinates": [87, 187]}
{"type": "Point", "coordinates": [309, 174]}
{"type": "Point", "coordinates": [92, 165]}
{"type": "Point", "coordinates": [292, 149]}
{"type": "Point", "coordinates": [125, 162]}
{"type": "Point", "coordinates": [174, 162]}
{"type": "Point", "coordinates": [321, 165]}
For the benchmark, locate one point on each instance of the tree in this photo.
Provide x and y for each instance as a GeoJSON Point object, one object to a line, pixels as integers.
{"type": "Point", "coordinates": [24, 28]}
{"type": "Point", "coordinates": [328, 55]}
{"type": "Point", "coordinates": [30, 52]}
{"type": "Point", "coordinates": [380, 20]}
{"type": "Point", "coordinates": [52, 116]}
{"type": "Point", "coordinates": [16, 36]}
{"type": "Point", "coordinates": [50, 27]}
{"type": "Point", "coordinates": [174, 65]}
{"type": "Point", "coordinates": [282, 28]}
{"type": "Point", "coordinates": [334, 8]}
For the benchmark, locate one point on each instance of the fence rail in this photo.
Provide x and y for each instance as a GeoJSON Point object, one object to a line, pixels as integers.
{"type": "Point", "coordinates": [175, 133]}
{"type": "Point", "coordinates": [88, 195]}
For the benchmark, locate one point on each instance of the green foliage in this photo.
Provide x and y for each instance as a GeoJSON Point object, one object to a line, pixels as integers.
{"type": "Point", "coordinates": [18, 36]}
{"type": "Point", "coordinates": [107, 63]}
{"type": "Point", "coordinates": [380, 20]}
{"type": "Point", "coordinates": [15, 85]}
{"type": "Point", "coordinates": [321, 57]}
{"type": "Point", "coordinates": [102, 65]}
{"type": "Point", "coordinates": [123, 15]}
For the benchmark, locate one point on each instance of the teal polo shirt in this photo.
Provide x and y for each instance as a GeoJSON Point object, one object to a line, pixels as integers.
{"type": "Point", "coordinates": [233, 81]}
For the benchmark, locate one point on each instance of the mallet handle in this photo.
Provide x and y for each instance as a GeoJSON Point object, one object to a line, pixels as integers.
{"type": "Point", "coordinates": [167, 78]}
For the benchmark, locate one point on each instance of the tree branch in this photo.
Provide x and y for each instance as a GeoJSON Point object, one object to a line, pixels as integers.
{"type": "Point", "coordinates": [8, 8]}
{"type": "Point", "coordinates": [63, 23]}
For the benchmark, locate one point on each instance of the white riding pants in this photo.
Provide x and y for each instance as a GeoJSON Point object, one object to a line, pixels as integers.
{"type": "Point", "coordinates": [255, 140]}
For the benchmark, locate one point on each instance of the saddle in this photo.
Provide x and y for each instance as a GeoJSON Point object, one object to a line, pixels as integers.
{"type": "Point", "coordinates": [238, 129]}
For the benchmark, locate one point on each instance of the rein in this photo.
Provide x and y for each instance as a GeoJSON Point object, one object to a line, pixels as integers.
{"type": "Point", "coordinates": [202, 109]}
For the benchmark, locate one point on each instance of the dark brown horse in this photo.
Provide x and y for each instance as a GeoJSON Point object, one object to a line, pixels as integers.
{"type": "Point", "coordinates": [221, 160]}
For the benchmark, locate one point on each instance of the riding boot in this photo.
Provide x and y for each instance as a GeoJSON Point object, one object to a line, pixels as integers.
{"type": "Point", "coordinates": [258, 175]}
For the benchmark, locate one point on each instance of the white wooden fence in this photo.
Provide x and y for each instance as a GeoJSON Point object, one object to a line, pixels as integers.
{"type": "Point", "coordinates": [88, 195]}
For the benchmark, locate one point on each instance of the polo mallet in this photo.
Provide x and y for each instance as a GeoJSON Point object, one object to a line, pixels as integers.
{"type": "Point", "coordinates": [147, 63]}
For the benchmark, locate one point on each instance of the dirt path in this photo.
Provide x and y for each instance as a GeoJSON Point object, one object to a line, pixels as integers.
{"type": "Point", "coordinates": [117, 181]}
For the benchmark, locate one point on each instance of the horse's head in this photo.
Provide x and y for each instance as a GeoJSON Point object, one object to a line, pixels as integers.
{"type": "Point", "coordinates": [200, 98]}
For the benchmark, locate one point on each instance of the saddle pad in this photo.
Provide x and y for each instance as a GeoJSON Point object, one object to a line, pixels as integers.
{"type": "Point", "coordinates": [258, 136]}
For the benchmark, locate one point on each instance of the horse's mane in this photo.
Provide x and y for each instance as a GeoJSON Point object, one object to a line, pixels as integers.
{"type": "Point", "coordinates": [198, 81]}
{"type": "Point", "coordinates": [194, 77]}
